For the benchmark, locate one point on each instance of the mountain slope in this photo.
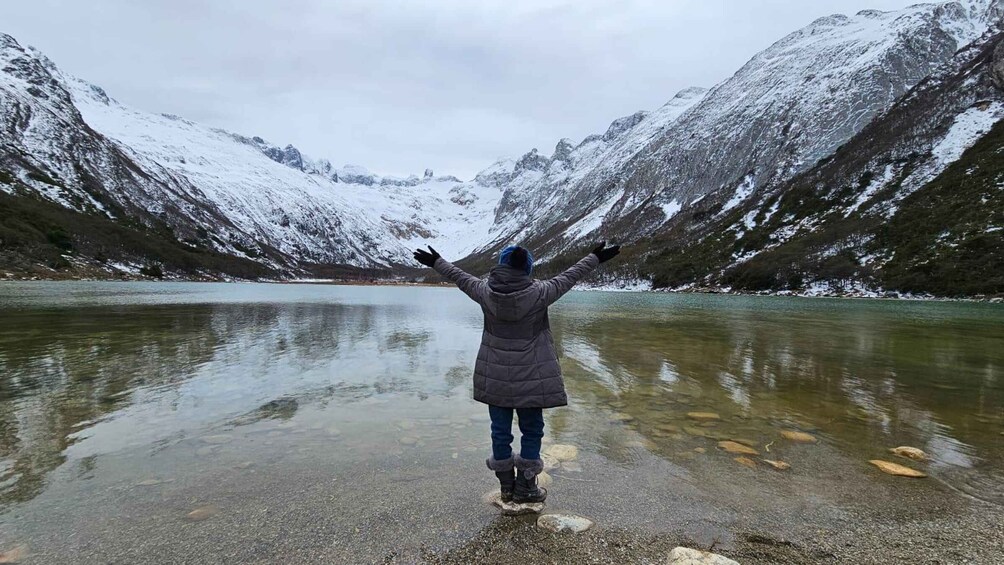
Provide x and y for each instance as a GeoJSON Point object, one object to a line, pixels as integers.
{"type": "Point", "coordinates": [913, 203]}
{"type": "Point", "coordinates": [790, 106]}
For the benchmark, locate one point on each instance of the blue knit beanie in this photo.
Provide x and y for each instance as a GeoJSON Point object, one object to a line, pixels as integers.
{"type": "Point", "coordinates": [506, 255]}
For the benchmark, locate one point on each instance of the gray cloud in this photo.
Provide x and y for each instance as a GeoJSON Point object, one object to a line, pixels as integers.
{"type": "Point", "coordinates": [400, 86]}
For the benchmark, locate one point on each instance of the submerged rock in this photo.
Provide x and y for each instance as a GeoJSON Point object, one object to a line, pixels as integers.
{"type": "Point", "coordinates": [798, 437]}
{"type": "Point", "coordinates": [564, 523]}
{"type": "Point", "coordinates": [202, 513]}
{"type": "Point", "coordinates": [14, 554]}
{"type": "Point", "coordinates": [703, 416]}
{"type": "Point", "coordinates": [513, 508]}
{"type": "Point", "coordinates": [735, 447]}
{"type": "Point", "coordinates": [550, 462]}
{"type": "Point", "coordinates": [909, 453]}
{"type": "Point", "coordinates": [571, 466]}
{"type": "Point", "coordinates": [897, 469]}
{"type": "Point", "coordinates": [217, 439]}
{"type": "Point", "coordinates": [688, 556]}
{"type": "Point", "coordinates": [544, 479]}
{"type": "Point", "coordinates": [563, 452]}
{"type": "Point", "coordinates": [746, 462]}
{"type": "Point", "coordinates": [408, 440]}
{"type": "Point", "coordinates": [779, 465]}
{"type": "Point", "coordinates": [147, 483]}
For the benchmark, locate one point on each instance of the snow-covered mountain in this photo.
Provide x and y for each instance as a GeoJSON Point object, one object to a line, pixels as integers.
{"type": "Point", "coordinates": [677, 171]}
{"type": "Point", "coordinates": [788, 107]}
{"type": "Point", "coordinates": [256, 199]}
{"type": "Point", "coordinates": [914, 202]}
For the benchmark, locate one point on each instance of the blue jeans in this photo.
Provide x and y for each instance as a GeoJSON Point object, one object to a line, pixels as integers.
{"type": "Point", "coordinates": [531, 429]}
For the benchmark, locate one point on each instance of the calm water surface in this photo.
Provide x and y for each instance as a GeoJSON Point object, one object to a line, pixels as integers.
{"type": "Point", "coordinates": [144, 391]}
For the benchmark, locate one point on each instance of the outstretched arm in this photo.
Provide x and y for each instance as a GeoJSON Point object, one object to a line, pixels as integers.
{"type": "Point", "coordinates": [470, 285]}
{"type": "Point", "coordinates": [555, 288]}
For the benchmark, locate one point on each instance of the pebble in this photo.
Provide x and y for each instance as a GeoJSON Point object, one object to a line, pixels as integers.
{"type": "Point", "coordinates": [563, 452]}
{"type": "Point", "coordinates": [779, 465]}
{"type": "Point", "coordinates": [746, 462]}
{"type": "Point", "coordinates": [897, 469]}
{"type": "Point", "coordinates": [564, 523]}
{"type": "Point", "coordinates": [688, 556]}
{"type": "Point", "coordinates": [202, 513]}
{"type": "Point", "coordinates": [734, 447]}
{"type": "Point", "coordinates": [909, 453]}
{"type": "Point", "coordinates": [799, 437]}
{"type": "Point", "coordinates": [513, 508]}
{"type": "Point", "coordinates": [703, 416]}
{"type": "Point", "coordinates": [699, 450]}
{"type": "Point", "coordinates": [408, 440]}
{"type": "Point", "coordinates": [217, 439]}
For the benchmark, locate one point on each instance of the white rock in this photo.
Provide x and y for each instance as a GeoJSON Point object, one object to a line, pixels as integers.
{"type": "Point", "coordinates": [688, 556]}
{"type": "Point", "coordinates": [564, 523]}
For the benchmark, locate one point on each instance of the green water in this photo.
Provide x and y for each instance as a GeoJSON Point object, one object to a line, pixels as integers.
{"type": "Point", "coordinates": [180, 387]}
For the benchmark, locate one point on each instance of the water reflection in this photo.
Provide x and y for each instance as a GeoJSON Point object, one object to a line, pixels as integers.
{"type": "Point", "coordinates": [863, 378]}
{"type": "Point", "coordinates": [177, 362]}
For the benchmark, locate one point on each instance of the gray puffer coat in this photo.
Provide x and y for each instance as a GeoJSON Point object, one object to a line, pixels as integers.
{"type": "Point", "coordinates": [517, 366]}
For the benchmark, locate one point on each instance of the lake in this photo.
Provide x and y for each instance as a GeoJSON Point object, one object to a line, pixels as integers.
{"type": "Point", "coordinates": [335, 423]}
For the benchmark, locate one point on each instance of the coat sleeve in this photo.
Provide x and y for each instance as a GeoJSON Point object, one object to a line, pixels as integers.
{"type": "Point", "coordinates": [469, 284]}
{"type": "Point", "coordinates": [556, 287]}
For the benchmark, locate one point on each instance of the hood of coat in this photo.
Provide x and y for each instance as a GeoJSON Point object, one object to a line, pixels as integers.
{"type": "Point", "coordinates": [512, 297]}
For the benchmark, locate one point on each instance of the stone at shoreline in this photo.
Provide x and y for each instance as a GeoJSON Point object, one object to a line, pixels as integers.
{"type": "Point", "coordinates": [779, 465]}
{"type": "Point", "coordinates": [703, 416]}
{"type": "Point", "coordinates": [909, 453]}
{"type": "Point", "coordinates": [511, 508]}
{"type": "Point", "coordinates": [734, 447]}
{"type": "Point", "coordinates": [798, 437]}
{"type": "Point", "coordinates": [219, 439]}
{"type": "Point", "coordinates": [564, 523]}
{"type": "Point", "coordinates": [746, 462]}
{"type": "Point", "coordinates": [202, 513]}
{"type": "Point", "coordinates": [563, 452]}
{"type": "Point", "coordinates": [544, 479]}
{"type": "Point", "coordinates": [688, 556]}
{"type": "Point", "coordinates": [897, 469]}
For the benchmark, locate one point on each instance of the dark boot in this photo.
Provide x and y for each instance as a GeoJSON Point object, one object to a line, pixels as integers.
{"type": "Point", "coordinates": [506, 475]}
{"type": "Point", "coordinates": [526, 489]}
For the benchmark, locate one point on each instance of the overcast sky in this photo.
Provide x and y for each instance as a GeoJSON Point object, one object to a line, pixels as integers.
{"type": "Point", "coordinates": [401, 86]}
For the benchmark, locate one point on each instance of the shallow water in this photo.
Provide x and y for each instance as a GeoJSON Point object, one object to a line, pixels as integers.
{"type": "Point", "coordinates": [127, 403]}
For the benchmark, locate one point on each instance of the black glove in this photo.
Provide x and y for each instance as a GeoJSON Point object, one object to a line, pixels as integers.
{"type": "Point", "coordinates": [604, 253]}
{"type": "Point", "coordinates": [426, 258]}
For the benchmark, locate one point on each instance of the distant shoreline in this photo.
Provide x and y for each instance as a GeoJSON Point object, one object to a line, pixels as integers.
{"type": "Point", "coordinates": [860, 295]}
